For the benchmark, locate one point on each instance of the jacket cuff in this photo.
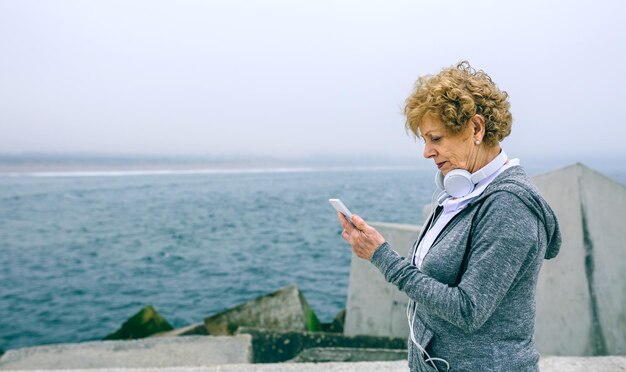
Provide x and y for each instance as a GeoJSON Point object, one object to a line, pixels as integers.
{"type": "Point", "coordinates": [382, 255]}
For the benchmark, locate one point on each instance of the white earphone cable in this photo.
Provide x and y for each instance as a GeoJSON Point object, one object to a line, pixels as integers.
{"type": "Point", "coordinates": [410, 315]}
{"type": "Point", "coordinates": [428, 359]}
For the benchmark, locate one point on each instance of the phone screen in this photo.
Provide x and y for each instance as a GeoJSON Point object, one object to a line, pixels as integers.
{"type": "Point", "coordinates": [340, 207]}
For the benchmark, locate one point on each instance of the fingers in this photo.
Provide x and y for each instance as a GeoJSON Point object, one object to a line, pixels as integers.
{"type": "Point", "coordinates": [346, 223]}
{"type": "Point", "coordinates": [363, 238]}
{"type": "Point", "coordinates": [347, 227]}
{"type": "Point", "coordinates": [343, 221]}
{"type": "Point", "coordinates": [358, 222]}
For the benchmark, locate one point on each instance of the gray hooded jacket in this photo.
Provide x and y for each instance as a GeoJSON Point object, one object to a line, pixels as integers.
{"type": "Point", "coordinates": [485, 321]}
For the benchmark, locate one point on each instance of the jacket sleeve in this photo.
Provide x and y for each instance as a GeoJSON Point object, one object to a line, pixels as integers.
{"type": "Point", "coordinates": [504, 235]}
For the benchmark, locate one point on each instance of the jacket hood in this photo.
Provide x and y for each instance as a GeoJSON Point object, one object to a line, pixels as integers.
{"type": "Point", "coordinates": [516, 181]}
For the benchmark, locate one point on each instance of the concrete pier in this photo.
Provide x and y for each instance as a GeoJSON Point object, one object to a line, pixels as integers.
{"type": "Point", "coordinates": [549, 364]}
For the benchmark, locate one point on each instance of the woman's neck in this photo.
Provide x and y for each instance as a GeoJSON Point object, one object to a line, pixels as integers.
{"type": "Point", "coordinates": [484, 155]}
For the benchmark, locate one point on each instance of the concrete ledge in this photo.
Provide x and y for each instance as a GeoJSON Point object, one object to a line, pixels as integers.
{"type": "Point", "coordinates": [270, 346]}
{"type": "Point", "coordinates": [277, 367]}
{"type": "Point", "coordinates": [583, 364]}
{"type": "Point", "coordinates": [150, 352]}
{"type": "Point", "coordinates": [547, 364]}
{"type": "Point", "coordinates": [348, 354]}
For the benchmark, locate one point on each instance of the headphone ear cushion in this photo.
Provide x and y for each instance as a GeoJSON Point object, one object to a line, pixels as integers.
{"type": "Point", "coordinates": [458, 183]}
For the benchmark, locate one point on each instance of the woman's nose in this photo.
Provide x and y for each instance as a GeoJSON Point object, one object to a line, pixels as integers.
{"type": "Point", "coordinates": [428, 151]}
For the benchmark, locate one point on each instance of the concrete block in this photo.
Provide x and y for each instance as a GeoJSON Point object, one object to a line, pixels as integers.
{"type": "Point", "coordinates": [581, 295]}
{"type": "Point", "coordinates": [284, 309]}
{"type": "Point", "coordinates": [270, 346]}
{"type": "Point", "coordinates": [149, 352]}
{"type": "Point", "coordinates": [347, 354]}
{"type": "Point", "coordinates": [375, 307]}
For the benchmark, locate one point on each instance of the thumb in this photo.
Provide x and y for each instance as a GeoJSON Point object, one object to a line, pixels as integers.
{"type": "Point", "coordinates": [358, 222]}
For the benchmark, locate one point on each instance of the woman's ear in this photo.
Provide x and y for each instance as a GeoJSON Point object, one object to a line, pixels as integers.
{"type": "Point", "coordinates": [478, 126]}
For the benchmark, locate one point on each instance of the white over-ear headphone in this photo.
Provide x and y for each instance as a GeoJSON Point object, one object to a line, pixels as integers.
{"type": "Point", "coordinates": [459, 182]}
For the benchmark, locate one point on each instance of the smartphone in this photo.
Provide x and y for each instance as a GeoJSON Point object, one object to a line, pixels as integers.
{"type": "Point", "coordinates": [340, 207]}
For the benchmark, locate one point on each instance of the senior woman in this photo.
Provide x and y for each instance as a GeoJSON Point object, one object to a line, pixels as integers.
{"type": "Point", "coordinates": [471, 275]}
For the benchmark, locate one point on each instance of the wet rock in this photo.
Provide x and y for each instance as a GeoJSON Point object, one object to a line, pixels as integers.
{"type": "Point", "coordinates": [271, 346]}
{"type": "Point", "coordinates": [336, 325]}
{"type": "Point", "coordinates": [143, 324]}
{"type": "Point", "coordinates": [284, 309]}
{"type": "Point", "coordinates": [339, 321]}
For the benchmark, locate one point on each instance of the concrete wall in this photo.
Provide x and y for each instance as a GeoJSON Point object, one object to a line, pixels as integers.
{"type": "Point", "coordinates": [562, 293]}
{"type": "Point", "coordinates": [375, 307]}
{"type": "Point", "coordinates": [150, 352]}
{"type": "Point", "coordinates": [581, 295]}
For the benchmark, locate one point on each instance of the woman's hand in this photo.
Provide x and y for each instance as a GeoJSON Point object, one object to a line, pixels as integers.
{"type": "Point", "coordinates": [363, 238]}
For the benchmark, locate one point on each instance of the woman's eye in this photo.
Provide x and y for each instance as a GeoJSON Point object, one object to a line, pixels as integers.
{"type": "Point", "coordinates": [435, 139]}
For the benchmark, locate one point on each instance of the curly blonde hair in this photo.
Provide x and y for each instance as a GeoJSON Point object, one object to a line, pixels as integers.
{"type": "Point", "coordinates": [454, 96]}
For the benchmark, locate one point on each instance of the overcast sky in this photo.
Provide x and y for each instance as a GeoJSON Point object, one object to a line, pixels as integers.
{"type": "Point", "coordinates": [300, 78]}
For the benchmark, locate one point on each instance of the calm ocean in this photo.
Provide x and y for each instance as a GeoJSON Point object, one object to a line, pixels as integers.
{"type": "Point", "coordinates": [81, 254]}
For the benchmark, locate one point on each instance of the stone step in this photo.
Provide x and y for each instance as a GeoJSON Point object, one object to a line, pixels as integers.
{"type": "Point", "coordinates": [148, 352]}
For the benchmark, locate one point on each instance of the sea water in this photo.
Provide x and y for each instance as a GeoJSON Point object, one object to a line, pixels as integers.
{"type": "Point", "coordinates": [82, 252]}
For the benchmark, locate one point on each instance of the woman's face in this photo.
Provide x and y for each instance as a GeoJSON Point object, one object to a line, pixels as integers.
{"type": "Point", "coordinates": [448, 150]}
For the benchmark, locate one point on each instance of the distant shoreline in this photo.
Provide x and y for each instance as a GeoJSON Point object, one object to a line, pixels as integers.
{"type": "Point", "coordinates": [59, 165]}
{"type": "Point", "coordinates": [115, 172]}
